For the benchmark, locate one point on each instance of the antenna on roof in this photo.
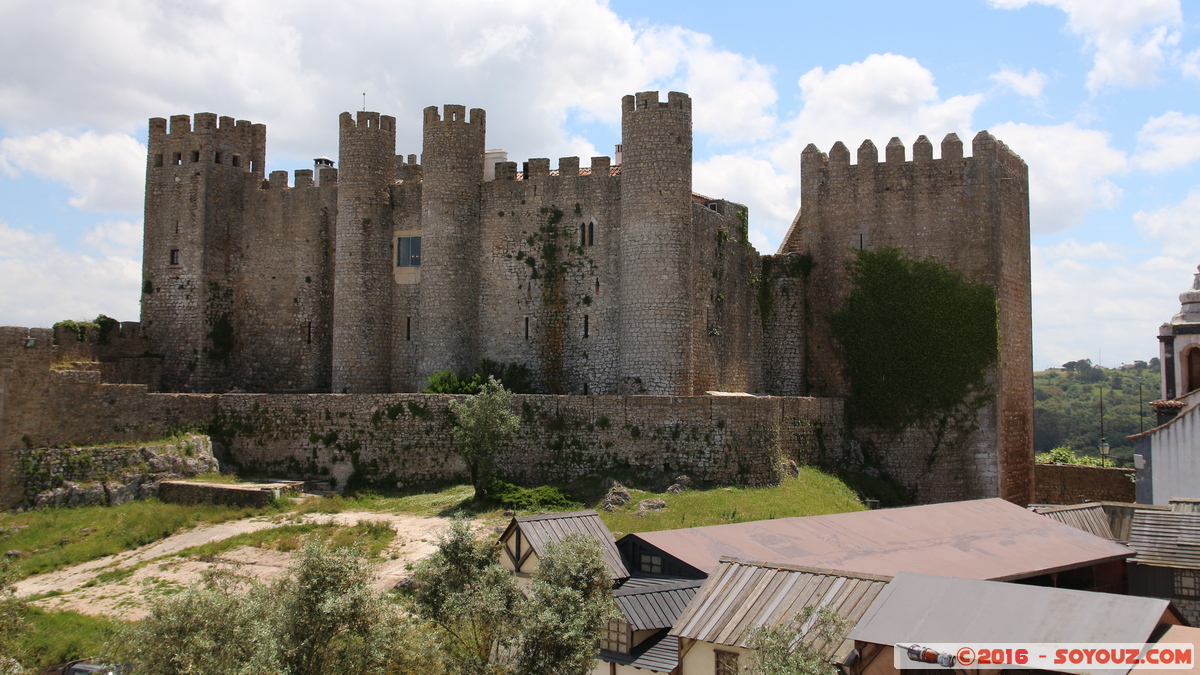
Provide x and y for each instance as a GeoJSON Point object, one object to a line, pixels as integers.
{"type": "Point", "coordinates": [364, 101]}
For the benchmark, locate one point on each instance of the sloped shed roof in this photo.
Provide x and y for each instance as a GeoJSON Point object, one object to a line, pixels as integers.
{"type": "Point", "coordinates": [654, 602]}
{"type": "Point", "coordinates": [923, 608]}
{"type": "Point", "coordinates": [1110, 520]}
{"type": "Point", "coordinates": [659, 654]}
{"type": "Point", "coordinates": [544, 528]}
{"type": "Point", "coordinates": [1166, 539]}
{"type": "Point", "coordinates": [741, 595]}
{"type": "Point", "coordinates": [981, 539]}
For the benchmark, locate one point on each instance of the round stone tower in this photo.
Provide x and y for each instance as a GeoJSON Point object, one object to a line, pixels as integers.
{"type": "Point", "coordinates": [452, 172]}
{"type": "Point", "coordinates": [362, 281]}
{"type": "Point", "coordinates": [656, 231]}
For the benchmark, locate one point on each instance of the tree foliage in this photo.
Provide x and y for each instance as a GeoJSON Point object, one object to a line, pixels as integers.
{"type": "Point", "coordinates": [514, 376]}
{"type": "Point", "coordinates": [321, 617]}
{"type": "Point", "coordinates": [1066, 406]}
{"type": "Point", "coordinates": [570, 601]}
{"type": "Point", "coordinates": [482, 423]}
{"type": "Point", "coordinates": [797, 647]}
{"type": "Point", "coordinates": [12, 621]}
{"type": "Point", "coordinates": [919, 340]}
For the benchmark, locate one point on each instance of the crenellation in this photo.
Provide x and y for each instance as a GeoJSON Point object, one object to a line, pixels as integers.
{"type": "Point", "coordinates": [868, 155]}
{"type": "Point", "coordinates": [278, 180]}
{"type": "Point", "coordinates": [181, 124]}
{"type": "Point", "coordinates": [895, 151]}
{"type": "Point", "coordinates": [568, 167]}
{"type": "Point", "coordinates": [952, 147]}
{"type": "Point", "coordinates": [600, 166]}
{"type": "Point", "coordinates": [506, 171]}
{"type": "Point", "coordinates": [922, 150]}
{"type": "Point", "coordinates": [839, 155]}
{"type": "Point", "coordinates": [304, 178]}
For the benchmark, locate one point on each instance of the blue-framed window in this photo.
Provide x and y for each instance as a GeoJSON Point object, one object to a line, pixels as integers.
{"type": "Point", "coordinates": [408, 252]}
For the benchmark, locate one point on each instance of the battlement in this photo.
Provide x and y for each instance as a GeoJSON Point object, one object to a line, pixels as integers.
{"type": "Point", "coordinates": [984, 145]}
{"type": "Point", "coordinates": [645, 100]}
{"type": "Point", "coordinates": [455, 114]}
{"type": "Point", "coordinates": [367, 120]}
{"type": "Point", "coordinates": [407, 168]}
{"type": "Point", "coordinates": [539, 168]}
{"type": "Point", "coordinates": [206, 138]}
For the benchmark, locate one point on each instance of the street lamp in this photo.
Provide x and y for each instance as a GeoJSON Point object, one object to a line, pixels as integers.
{"type": "Point", "coordinates": [1104, 450]}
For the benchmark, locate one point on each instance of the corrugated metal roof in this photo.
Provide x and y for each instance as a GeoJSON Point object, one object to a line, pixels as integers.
{"type": "Point", "coordinates": [1087, 517]}
{"type": "Point", "coordinates": [650, 602]}
{"type": "Point", "coordinates": [544, 528]}
{"type": "Point", "coordinates": [658, 653]}
{"type": "Point", "coordinates": [917, 608]}
{"type": "Point", "coordinates": [741, 595]}
{"type": "Point", "coordinates": [982, 539]}
{"type": "Point", "coordinates": [1166, 539]}
{"type": "Point", "coordinates": [1184, 504]}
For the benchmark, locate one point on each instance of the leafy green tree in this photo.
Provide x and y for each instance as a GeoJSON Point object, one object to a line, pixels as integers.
{"type": "Point", "coordinates": [463, 591]}
{"type": "Point", "coordinates": [482, 423]}
{"type": "Point", "coordinates": [570, 601]}
{"type": "Point", "coordinates": [321, 617]}
{"type": "Point", "coordinates": [797, 647]}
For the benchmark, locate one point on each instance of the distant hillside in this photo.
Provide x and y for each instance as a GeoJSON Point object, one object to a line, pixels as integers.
{"type": "Point", "coordinates": [1067, 406]}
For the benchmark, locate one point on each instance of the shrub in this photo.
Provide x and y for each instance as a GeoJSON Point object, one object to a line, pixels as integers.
{"type": "Point", "coordinates": [530, 499]}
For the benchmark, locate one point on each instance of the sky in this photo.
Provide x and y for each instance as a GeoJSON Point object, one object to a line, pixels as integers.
{"type": "Point", "coordinates": [1101, 98]}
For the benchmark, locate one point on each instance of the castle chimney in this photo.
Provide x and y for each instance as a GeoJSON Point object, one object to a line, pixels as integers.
{"type": "Point", "coordinates": [318, 164]}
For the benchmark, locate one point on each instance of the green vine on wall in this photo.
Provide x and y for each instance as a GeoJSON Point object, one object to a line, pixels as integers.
{"type": "Point", "coordinates": [919, 341]}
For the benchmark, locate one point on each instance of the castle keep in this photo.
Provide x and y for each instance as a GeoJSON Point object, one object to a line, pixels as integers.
{"type": "Point", "coordinates": [620, 289]}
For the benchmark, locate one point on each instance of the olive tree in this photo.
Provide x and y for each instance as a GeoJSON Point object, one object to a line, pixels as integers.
{"type": "Point", "coordinates": [482, 423]}
{"type": "Point", "coordinates": [799, 646]}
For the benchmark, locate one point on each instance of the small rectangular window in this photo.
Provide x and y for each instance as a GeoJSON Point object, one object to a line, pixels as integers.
{"type": "Point", "coordinates": [217, 158]}
{"type": "Point", "coordinates": [177, 158]}
{"type": "Point", "coordinates": [651, 564]}
{"type": "Point", "coordinates": [174, 256]}
{"type": "Point", "coordinates": [727, 663]}
{"type": "Point", "coordinates": [158, 160]}
{"type": "Point", "coordinates": [526, 328]}
{"type": "Point", "coordinates": [308, 333]}
{"type": "Point", "coordinates": [582, 235]}
{"type": "Point", "coordinates": [591, 234]}
{"type": "Point", "coordinates": [616, 637]}
{"type": "Point", "coordinates": [408, 252]}
{"type": "Point", "coordinates": [237, 160]}
{"type": "Point", "coordinates": [408, 328]}
{"type": "Point", "coordinates": [585, 325]}
{"type": "Point", "coordinates": [195, 156]}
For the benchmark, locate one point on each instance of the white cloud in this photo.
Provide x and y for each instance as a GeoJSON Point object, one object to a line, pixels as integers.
{"type": "Point", "coordinates": [1170, 141]}
{"type": "Point", "coordinates": [105, 171]}
{"type": "Point", "coordinates": [1176, 228]}
{"type": "Point", "coordinates": [1070, 171]}
{"type": "Point", "coordinates": [1129, 40]}
{"type": "Point", "coordinates": [882, 96]}
{"type": "Point", "coordinates": [1028, 84]}
{"type": "Point", "coordinates": [1087, 299]}
{"type": "Point", "coordinates": [772, 197]}
{"type": "Point", "coordinates": [57, 284]}
{"type": "Point", "coordinates": [1191, 64]}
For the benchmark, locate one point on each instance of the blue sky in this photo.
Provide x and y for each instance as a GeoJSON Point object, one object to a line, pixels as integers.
{"type": "Point", "coordinates": [1098, 96]}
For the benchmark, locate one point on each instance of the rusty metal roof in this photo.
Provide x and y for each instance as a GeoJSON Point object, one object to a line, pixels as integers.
{"type": "Point", "coordinates": [741, 595]}
{"type": "Point", "coordinates": [544, 528]}
{"type": "Point", "coordinates": [649, 602]}
{"type": "Point", "coordinates": [981, 539]}
{"type": "Point", "coordinates": [1166, 539]}
{"type": "Point", "coordinates": [916, 608]}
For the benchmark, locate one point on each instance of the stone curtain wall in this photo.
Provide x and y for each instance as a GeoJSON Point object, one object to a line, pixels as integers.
{"type": "Point", "coordinates": [108, 475]}
{"type": "Point", "coordinates": [1074, 484]}
{"type": "Point", "coordinates": [405, 438]}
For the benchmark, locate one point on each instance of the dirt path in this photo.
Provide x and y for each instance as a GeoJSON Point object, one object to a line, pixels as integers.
{"type": "Point", "coordinates": [159, 571]}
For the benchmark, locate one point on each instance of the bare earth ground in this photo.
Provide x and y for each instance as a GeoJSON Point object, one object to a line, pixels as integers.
{"type": "Point", "coordinates": [162, 571]}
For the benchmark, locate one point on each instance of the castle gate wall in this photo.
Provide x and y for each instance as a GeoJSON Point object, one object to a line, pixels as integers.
{"type": "Point", "coordinates": [406, 286]}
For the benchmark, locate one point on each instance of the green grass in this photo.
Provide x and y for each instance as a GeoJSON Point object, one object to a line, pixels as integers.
{"type": "Point", "coordinates": [222, 478]}
{"type": "Point", "coordinates": [59, 537]}
{"type": "Point", "coordinates": [809, 494]}
{"type": "Point", "coordinates": [442, 502]}
{"type": "Point", "coordinates": [372, 537]}
{"type": "Point", "coordinates": [58, 637]}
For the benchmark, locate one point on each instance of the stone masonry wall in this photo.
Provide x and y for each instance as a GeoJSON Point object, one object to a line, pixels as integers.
{"type": "Point", "coordinates": [405, 437]}
{"type": "Point", "coordinates": [108, 475]}
{"type": "Point", "coordinates": [1074, 484]}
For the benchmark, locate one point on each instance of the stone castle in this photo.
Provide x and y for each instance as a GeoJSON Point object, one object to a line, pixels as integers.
{"type": "Point", "coordinates": [608, 282]}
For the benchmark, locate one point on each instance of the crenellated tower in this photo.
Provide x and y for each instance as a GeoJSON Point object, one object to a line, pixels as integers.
{"type": "Point", "coordinates": [197, 176]}
{"type": "Point", "coordinates": [451, 174]}
{"type": "Point", "coordinates": [656, 255]}
{"type": "Point", "coordinates": [362, 285]}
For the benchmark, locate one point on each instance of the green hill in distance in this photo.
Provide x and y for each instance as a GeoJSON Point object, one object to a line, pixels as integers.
{"type": "Point", "coordinates": [1066, 406]}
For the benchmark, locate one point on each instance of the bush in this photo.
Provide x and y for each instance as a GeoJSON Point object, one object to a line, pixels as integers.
{"type": "Point", "coordinates": [515, 377]}
{"type": "Point", "coordinates": [520, 498]}
{"type": "Point", "coordinates": [1065, 455]}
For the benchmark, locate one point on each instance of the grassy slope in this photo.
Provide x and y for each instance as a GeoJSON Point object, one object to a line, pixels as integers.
{"type": "Point", "coordinates": [58, 537]}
